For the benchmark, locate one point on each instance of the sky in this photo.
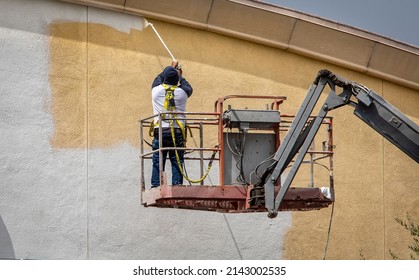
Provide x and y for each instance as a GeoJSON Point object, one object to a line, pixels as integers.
{"type": "Point", "coordinates": [396, 19]}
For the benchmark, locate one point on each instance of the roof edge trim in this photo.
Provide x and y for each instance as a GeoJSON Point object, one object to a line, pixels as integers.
{"type": "Point", "coordinates": [398, 49]}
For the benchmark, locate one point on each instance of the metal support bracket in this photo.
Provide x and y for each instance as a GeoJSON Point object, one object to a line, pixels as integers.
{"type": "Point", "coordinates": [299, 139]}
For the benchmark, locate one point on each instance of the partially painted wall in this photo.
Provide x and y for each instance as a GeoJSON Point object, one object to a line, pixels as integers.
{"type": "Point", "coordinates": [72, 93]}
{"type": "Point", "coordinates": [74, 83]}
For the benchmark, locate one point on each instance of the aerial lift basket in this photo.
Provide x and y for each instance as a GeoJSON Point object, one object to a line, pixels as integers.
{"type": "Point", "coordinates": [246, 138]}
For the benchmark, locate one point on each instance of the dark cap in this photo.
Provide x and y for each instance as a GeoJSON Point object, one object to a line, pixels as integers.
{"type": "Point", "coordinates": [171, 76]}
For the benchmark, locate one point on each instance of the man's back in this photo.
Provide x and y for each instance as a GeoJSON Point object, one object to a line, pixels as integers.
{"type": "Point", "coordinates": [159, 96]}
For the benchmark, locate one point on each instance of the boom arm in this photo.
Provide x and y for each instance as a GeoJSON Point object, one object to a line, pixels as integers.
{"type": "Point", "coordinates": [371, 108]}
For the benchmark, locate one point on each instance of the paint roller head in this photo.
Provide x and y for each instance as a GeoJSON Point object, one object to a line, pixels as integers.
{"type": "Point", "coordinates": [146, 23]}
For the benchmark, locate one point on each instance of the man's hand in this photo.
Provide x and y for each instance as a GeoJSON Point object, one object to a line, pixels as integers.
{"type": "Point", "coordinates": [178, 67]}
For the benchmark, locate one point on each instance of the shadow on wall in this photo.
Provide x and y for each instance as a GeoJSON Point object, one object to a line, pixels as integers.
{"type": "Point", "coordinates": [6, 246]}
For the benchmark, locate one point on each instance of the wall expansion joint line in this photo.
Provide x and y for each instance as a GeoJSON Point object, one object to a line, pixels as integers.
{"type": "Point", "coordinates": [209, 12]}
{"type": "Point", "coordinates": [292, 32]}
{"type": "Point", "coordinates": [87, 136]}
{"type": "Point", "coordinates": [370, 56]}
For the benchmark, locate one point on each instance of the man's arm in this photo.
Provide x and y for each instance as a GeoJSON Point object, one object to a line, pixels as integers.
{"type": "Point", "coordinates": [184, 84]}
{"type": "Point", "coordinates": [158, 80]}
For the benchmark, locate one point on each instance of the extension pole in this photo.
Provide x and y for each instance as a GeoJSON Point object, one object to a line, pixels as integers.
{"type": "Point", "coordinates": [158, 35]}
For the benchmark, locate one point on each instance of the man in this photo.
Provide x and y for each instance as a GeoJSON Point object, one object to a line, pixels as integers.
{"type": "Point", "coordinates": [170, 92]}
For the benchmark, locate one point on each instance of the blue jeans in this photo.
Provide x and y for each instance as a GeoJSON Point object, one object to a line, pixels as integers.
{"type": "Point", "coordinates": [177, 178]}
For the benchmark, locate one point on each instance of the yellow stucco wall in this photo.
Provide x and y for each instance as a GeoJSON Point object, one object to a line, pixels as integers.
{"type": "Point", "coordinates": [101, 77]}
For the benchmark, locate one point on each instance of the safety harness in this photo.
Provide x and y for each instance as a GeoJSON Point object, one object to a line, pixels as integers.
{"type": "Point", "coordinates": [169, 105]}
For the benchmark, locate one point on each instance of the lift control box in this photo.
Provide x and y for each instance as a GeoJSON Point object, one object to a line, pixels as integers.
{"type": "Point", "coordinates": [251, 119]}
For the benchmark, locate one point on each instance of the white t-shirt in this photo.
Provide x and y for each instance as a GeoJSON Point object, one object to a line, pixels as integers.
{"type": "Point", "coordinates": [158, 96]}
